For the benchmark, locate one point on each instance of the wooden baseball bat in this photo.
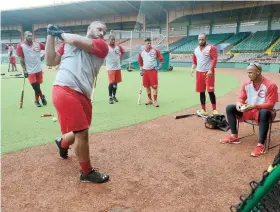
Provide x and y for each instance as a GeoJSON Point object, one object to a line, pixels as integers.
{"type": "Point", "coordinates": [94, 88]}
{"type": "Point", "coordinates": [140, 94]}
{"type": "Point", "coordinates": [184, 115]}
{"type": "Point", "coordinates": [22, 94]}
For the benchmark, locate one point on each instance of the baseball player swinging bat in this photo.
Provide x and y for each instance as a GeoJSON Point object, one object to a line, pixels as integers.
{"type": "Point", "coordinates": [22, 94]}
{"type": "Point", "coordinates": [94, 88]}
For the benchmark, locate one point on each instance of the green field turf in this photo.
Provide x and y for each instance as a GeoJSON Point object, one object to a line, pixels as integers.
{"type": "Point", "coordinates": [23, 128]}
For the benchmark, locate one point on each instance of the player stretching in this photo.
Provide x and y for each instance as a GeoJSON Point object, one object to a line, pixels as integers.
{"type": "Point", "coordinates": [79, 59]}
{"type": "Point", "coordinates": [30, 61]}
{"type": "Point", "coordinates": [113, 66]}
{"type": "Point", "coordinates": [12, 58]}
{"type": "Point", "coordinates": [204, 61]}
{"type": "Point", "coordinates": [149, 70]}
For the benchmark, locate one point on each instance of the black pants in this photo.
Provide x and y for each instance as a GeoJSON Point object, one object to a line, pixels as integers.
{"type": "Point", "coordinates": [265, 117]}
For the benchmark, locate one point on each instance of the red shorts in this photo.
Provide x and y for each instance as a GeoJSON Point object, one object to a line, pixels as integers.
{"type": "Point", "coordinates": [253, 115]}
{"type": "Point", "coordinates": [150, 79]}
{"type": "Point", "coordinates": [12, 60]}
{"type": "Point", "coordinates": [115, 76]}
{"type": "Point", "coordinates": [74, 110]}
{"type": "Point", "coordinates": [202, 82]}
{"type": "Point", "coordinates": [36, 78]}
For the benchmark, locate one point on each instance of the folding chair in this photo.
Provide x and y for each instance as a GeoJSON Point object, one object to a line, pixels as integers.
{"type": "Point", "coordinates": [268, 138]}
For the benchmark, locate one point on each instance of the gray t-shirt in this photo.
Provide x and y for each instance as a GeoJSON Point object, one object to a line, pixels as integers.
{"type": "Point", "coordinates": [31, 55]}
{"type": "Point", "coordinates": [78, 68]}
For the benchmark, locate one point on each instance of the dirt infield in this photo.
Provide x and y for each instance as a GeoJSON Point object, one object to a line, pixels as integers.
{"type": "Point", "coordinates": [162, 165]}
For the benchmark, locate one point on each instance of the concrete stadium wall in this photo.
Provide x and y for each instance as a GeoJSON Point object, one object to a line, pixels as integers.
{"type": "Point", "coordinates": [267, 68]}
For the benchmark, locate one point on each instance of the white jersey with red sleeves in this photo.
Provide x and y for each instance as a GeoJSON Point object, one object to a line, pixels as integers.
{"type": "Point", "coordinates": [113, 59]}
{"type": "Point", "coordinates": [204, 58]}
{"type": "Point", "coordinates": [31, 55]}
{"type": "Point", "coordinates": [266, 93]}
{"type": "Point", "coordinates": [149, 58]}
{"type": "Point", "coordinates": [11, 51]}
{"type": "Point", "coordinates": [79, 68]}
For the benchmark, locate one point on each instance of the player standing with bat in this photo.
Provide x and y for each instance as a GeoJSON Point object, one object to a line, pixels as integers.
{"type": "Point", "coordinates": [205, 58]}
{"type": "Point", "coordinates": [12, 57]}
{"type": "Point", "coordinates": [79, 59]}
{"type": "Point", "coordinates": [149, 70]}
{"type": "Point", "coordinates": [113, 66]}
{"type": "Point", "coordinates": [30, 61]}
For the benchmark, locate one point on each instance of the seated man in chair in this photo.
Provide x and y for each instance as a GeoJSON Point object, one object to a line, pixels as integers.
{"type": "Point", "coordinates": [257, 103]}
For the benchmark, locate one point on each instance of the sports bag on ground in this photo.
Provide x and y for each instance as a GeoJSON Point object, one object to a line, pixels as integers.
{"type": "Point", "coordinates": [217, 122]}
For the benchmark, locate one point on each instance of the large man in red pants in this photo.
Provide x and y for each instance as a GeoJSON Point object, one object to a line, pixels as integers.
{"type": "Point", "coordinates": [149, 70]}
{"type": "Point", "coordinates": [79, 59]}
{"type": "Point", "coordinates": [30, 61]}
{"type": "Point", "coordinates": [204, 61]}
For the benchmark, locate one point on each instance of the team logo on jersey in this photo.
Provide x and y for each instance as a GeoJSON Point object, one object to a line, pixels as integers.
{"type": "Point", "coordinates": [36, 49]}
{"type": "Point", "coordinates": [117, 51]}
{"type": "Point", "coordinates": [261, 94]}
{"type": "Point", "coordinates": [207, 53]}
{"type": "Point", "coordinates": [152, 54]}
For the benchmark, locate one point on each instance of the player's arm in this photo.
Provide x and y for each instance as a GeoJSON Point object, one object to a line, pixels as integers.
{"type": "Point", "coordinates": [97, 47]}
{"type": "Point", "coordinates": [52, 57]}
{"type": "Point", "coordinates": [140, 61]}
{"type": "Point", "coordinates": [214, 56]}
{"type": "Point", "coordinates": [160, 57]}
{"type": "Point", "coordinates": [194, 63]}
{"type": "Point", "coordinates": [19, 53]}
{"type": "Point", "coordinates": [122, 51]}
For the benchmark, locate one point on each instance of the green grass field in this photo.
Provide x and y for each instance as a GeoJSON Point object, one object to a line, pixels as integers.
{"type": "Point", "coordinates": [23, 128]}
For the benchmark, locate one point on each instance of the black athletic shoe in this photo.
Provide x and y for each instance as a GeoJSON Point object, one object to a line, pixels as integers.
{"type": "Point", "coordinates": [62, 152]}
{"type": "Point", "coordinates": [111, 101]}
{"type": "Point", "coordinates": [94, 177]}
{"type": "Point", "coordinates": [115, 99]}
{"type": "Point", "coordinates": [37, 104]}
{"type": "Point", "coordinates": [44, 101]}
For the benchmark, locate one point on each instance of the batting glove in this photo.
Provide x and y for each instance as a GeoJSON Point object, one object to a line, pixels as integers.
{"type": "Point", "coordinates": [157, 68]}
{"type": "Point", "coordinates": [25, 73]}
{"type": "Point", "coordinates": [141, 73]}
{"type": "Point", "coordinates": [42, 57]}
{"type": "Point", "coordinates": [54, 31]}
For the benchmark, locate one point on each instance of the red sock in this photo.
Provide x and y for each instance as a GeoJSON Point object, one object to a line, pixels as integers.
{"type": "Point", "coordinates": [155, 97]}
{"type": "Point", "coordinates": [85, 166]}
{"type": "Point", "coordinates": [36, 97]}
{"type": "Point", "coordinates": [214, 106]}
{"type": "Point", "coordinates": [203, 107]}
{"type": "Point", "coordinates": [64, 144]}
{"type": "Point", "coordinates": [150, 96]}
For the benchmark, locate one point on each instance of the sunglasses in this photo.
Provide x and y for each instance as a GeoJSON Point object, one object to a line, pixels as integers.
{"type": "Point", "coordinates": [253, 64]}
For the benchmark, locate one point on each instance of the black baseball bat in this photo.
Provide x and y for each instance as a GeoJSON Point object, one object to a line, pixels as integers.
{"type": "Point", "coordinates": [184, 115]}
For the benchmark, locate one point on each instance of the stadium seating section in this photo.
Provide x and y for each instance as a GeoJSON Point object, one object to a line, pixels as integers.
{"type": "Point", "coordinates": [258, 42]}
{"type": "Point", "coordinates": [213, 39]}
{"type": "Point", "coordinates": [238, 37]}
{"type": "Point", "coordinates": [276, 48]}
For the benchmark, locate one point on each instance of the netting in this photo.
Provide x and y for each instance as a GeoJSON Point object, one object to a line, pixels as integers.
{"type": "Point", "coordinates": [265, 194]}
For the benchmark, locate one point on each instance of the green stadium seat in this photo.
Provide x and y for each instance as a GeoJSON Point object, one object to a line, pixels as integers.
{"type": "Point", "coordinates": [258, 42]}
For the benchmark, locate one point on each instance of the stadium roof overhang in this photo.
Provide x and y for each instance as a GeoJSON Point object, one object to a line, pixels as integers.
{"type": "Point", "coordinates": [155, 11]}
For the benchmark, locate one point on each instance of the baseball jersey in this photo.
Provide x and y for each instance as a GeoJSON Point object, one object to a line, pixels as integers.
{"type": "Point", "coordinates": [205, 59]}
{"type": "Point", "coordinates": [31, 55]}
{"type": "Point", "coordinates": [265, 93]}
{"type": "Point", "coordinates": [148, 59]}
{"type": "Point", "coordinates": [78, 68]}
{"type": "Point", "coordinates": [11, 51]}
{"type": "Point", "coordinates": [113, 59]}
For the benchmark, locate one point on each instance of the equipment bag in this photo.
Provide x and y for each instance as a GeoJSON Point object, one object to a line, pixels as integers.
{"type": "Point", "coordinates": [217, 122]}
